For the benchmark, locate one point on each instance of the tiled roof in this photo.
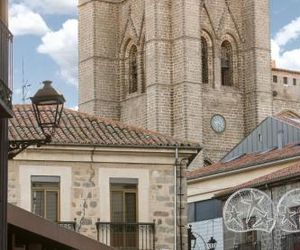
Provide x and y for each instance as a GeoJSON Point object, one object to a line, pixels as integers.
{"type": "Point", "coordinates": [276, 176]}
{"type": "Point", "coordinates": [290, 118]}
{"type": "Point", "coordinates": [78, 128]}
{"type": "Point", "coordinates": [245, 161]}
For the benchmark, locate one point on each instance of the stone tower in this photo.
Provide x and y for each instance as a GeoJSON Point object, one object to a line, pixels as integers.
{"type": "Point", "coordinates": [173, 65]}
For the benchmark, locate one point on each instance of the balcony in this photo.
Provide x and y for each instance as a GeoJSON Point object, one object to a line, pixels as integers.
{"type": "Point", "coordinates": [5, 71]}
{"type": "Point", "coordinates": [290, 242]}
{"type": "Point", "coordinates": [70, 225]}
{"type": "Point", "coordinates": [127, 236]}
{"type": "Point", "coordinates": [249, 246]}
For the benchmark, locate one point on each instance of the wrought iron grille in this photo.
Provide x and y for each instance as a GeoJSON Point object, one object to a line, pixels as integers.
{"type": "Point", "coordinates": [290, 241]}
{"type": "Point", "coordinates": [125, 236]}
{"type": "Point", "coordinates": [249, 246]}
{"type": "Point", "coordinates": [6, 39]}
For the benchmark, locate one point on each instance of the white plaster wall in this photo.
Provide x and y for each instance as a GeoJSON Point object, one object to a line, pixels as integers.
{"type": "Point", "coordinates": [65, 174]}
{"type": "Point", "coordinates": [143, 190]}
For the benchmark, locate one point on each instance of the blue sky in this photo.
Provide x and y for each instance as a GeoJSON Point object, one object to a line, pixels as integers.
{"type": "Point", "coordinates": [46, 40]}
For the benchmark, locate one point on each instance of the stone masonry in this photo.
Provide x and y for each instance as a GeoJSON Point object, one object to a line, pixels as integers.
{"type": "Point", "coordinates": [167, 34]}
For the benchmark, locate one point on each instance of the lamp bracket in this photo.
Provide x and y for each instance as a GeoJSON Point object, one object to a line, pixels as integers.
{"type": "Point", "coordinates": [16, 147]}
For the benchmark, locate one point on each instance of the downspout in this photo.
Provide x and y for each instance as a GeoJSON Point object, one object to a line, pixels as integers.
{"type": "Point", "coordinates": [175, 196]}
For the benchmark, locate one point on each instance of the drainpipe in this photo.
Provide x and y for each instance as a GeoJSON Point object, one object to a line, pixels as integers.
{"type": "Point", "coordinates": [175, 196]}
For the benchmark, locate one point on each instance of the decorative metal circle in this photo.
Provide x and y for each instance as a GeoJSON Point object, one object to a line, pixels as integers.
{"type": "Point", "coordinates": [249, 210]}
{"type": "Point", "coordinates": [218, 123]}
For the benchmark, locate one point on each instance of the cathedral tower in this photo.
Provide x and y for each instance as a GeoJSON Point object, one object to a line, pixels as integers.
{"type": "Point", "coordinates": [195, 69]}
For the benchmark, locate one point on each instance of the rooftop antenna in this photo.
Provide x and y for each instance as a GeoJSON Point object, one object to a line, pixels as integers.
{"type": "Point", "coordinates": [25, 84]}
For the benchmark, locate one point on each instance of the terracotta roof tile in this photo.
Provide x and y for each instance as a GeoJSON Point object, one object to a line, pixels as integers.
{"type": "Point", "coordinates": [245, 161]}
{"type": "Point", "coordinates": [78, 128]}
{"type": "Point", "coordinates": [276, 176]}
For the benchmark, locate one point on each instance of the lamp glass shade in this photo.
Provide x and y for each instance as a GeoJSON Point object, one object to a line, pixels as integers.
{"type": "Point", "coordinates": [48, 106]}
{"type": "Point", "coordinates": [212, 243]}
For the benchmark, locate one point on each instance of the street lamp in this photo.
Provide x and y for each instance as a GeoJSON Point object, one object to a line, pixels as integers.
{"type": "Point", "coordinates": [192, 240]}
{"type": "Point", "coordinates": [212, 244]}
{"type": "Point", "coordinates": [48, 105]}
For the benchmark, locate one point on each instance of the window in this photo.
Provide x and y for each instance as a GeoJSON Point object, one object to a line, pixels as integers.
{"type": "Point", "coordinates": [133, 70]}
{"type": "Point", "coordinates": [294, 81]}
{"type": "Point", "coordinates": [275, 79]}
{"type": "Point", "coordinates": [45, 196]}
{"type": "Point", "coordinates": [124, 213]}
{"type": "Point", "coordinates": [285, 80]}
{"type": "Point", "coordinates": [226, 64]}
{"type": "Point", "coordinates": [143, 70]}
{"type": "Point", "coordinates": [204, 52]}
{"type": "Point", "coordinates": [204, 210]}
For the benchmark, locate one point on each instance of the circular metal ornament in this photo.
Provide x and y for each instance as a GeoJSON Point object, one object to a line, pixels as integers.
{"type": "Point", "coordinates": [218, 123]}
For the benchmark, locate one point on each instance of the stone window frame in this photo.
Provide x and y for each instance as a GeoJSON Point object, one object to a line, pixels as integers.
{"type": "Point", "coordinates": [235, 59]}
{"type": "Point", "coordinates": [124, 71]}
{"type": "Point", "coordinates": [210, 57]}
{"type": "Point", "coordinates": [65, 174]}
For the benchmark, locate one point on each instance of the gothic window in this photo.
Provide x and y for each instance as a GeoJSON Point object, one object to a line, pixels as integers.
{"type": "Point", "coordinates": [227, 64]}
{"type": "Point", "coordinates": [204, 48]}
{"type": "Point", "coordinates": [133, 70]}
{"type": "Point", "coordinates": [143, 70]}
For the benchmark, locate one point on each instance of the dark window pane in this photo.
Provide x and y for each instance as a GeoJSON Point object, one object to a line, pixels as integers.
{"type": "Point", "coordinates": [295, 81]}
{"type": "Point", "coordinates": [285, 80]}
{"type": "Point", "coordinates": [204, 52]}
{"type": "Point", "coordinates": [226, 64]}
{"type": "Point", "coordinates": [133, 70]}
{"type": "Point", "coordinates": [209, 209]}
{"type": "Point", "coordinates": [51, 205]}
{"type": "Point", "coordinates": [130, 203]}
{"type": "Point", "coordinates": [275, 79]}
{"type": "Point", "coordinates": [117, 208]}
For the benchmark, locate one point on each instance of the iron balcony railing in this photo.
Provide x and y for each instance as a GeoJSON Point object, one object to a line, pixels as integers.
{"type": "Point", "coordinates": [127, 236]}
{"type": "Point", "coordinates": [71, 225]}
{"type": "Point", "coordinates": [249, 246]}
{"type": "Point", "coordinates": [6, 40]}
{"type": "Point", "coordinates": [290, 241]}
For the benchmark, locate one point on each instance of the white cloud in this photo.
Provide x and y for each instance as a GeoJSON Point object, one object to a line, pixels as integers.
{"type": "Point", "coordinates": [288, 33]}
{"type": "Point", "coordinates": [285, 58]}
{"type": "Point", "coordinates": [65, 7]}
{"type": "Point", "coordinates": [23, 21]}
{"type": "Point", "coordinates": [62, 46]}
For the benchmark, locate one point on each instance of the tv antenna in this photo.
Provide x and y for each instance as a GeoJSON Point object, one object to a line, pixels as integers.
{"type": "Point", "coordinates": [25, 85]}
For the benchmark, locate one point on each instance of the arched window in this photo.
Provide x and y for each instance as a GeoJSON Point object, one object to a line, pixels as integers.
{"type": "Point", "coordinates": [143, 68]}
{"type": "Point", "coordinates": [133, 70]}
{"type": "Point", "coordinates": [204, 49]}
{"type": "Point", "coordinates": [227, 64]}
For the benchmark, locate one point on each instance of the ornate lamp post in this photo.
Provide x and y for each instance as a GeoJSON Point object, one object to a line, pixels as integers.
{"type": "Point", "coordinates": [48, 119]}
{"type": "Point", "coordinates": [192, 240]}
{"type": "Point", "coordinates": [48, 105]}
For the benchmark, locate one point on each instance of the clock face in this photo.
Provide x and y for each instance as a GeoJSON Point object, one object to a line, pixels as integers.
{"type": "Point", "coordinates": [218, 123]}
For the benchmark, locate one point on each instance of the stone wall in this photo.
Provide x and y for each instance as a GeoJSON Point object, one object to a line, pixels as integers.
{"type": "Point", "coordinates": [87, 196]}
